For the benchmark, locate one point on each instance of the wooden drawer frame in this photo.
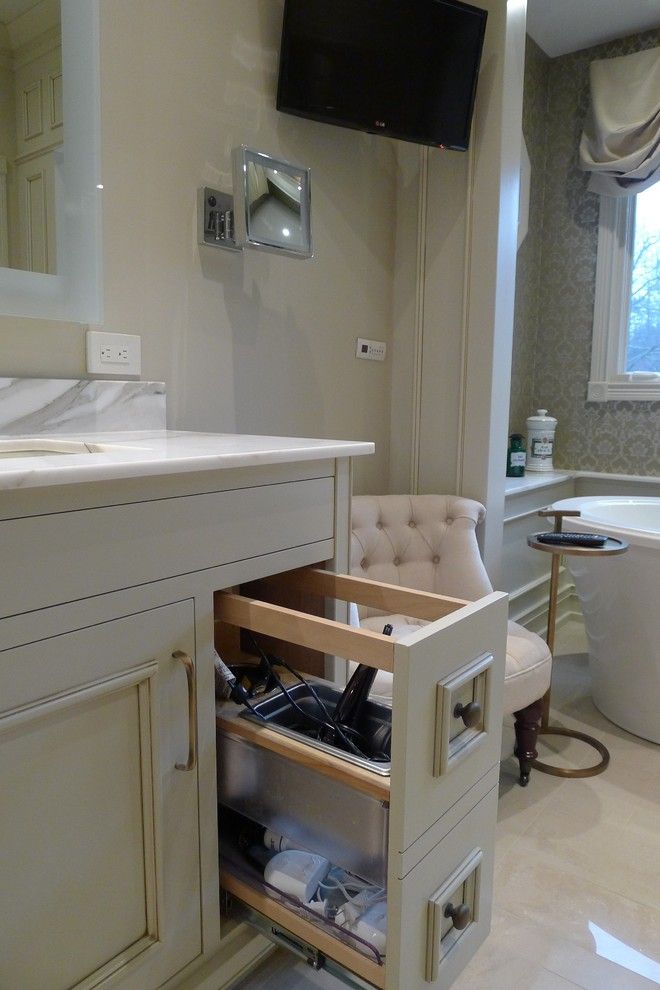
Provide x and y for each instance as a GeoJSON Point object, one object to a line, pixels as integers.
{"type": "Point", "coordinates": [424, 805]}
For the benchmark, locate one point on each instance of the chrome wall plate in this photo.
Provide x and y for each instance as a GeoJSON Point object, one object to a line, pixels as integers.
{"type": "Point", "coordinates": [215, 219]}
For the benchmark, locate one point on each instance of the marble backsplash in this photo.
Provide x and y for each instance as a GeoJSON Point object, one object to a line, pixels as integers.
{"type": "Point", "coordinates": [46, 406]}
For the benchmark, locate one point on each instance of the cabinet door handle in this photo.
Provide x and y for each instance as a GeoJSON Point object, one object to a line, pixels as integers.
{"type": "Point", "coordinates": [192, 710]}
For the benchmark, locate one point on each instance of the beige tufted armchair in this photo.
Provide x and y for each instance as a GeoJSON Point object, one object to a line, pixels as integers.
{"type": "Point", "coordinates": [428, 542]}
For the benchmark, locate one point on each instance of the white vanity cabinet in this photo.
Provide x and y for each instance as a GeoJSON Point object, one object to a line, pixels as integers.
{"type": "Point", "coordinates": [108, 833]}
{"type": "Point", "coordinates": [110, 872]}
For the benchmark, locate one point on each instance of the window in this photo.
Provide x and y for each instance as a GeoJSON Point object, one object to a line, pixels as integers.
{"type": "Point", "coordinates": [625, 359]}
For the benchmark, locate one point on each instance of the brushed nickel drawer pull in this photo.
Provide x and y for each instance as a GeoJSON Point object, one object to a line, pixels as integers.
{"type": "Point", "coordinates": [192, 710]}
{"type": "Point", "coordinates": [470, 713]}
{"type": "Point", "coordinates": [460, 916]}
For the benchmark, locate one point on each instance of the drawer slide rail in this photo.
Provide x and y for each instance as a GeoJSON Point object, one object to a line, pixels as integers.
{"type": "Point", "coordinates": [286, 940]}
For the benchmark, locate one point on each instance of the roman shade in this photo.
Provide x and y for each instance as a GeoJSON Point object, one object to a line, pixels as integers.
{"type": "Point", "coordinates": [620, 144]}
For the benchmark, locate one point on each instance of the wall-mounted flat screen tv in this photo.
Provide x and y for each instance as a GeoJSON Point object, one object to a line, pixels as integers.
{"type": "Point", "coordinates": [404, 68]}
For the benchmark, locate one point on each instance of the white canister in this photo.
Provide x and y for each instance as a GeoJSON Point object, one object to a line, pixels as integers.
{"type": "Point", "coordinates": [540, 441]}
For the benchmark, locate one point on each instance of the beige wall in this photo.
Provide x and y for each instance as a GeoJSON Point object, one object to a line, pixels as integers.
{"type": "Point", "coordinates": [41, 348]}
{"type": "Point", "coordinates": [7, 101]}
{"type": "Point", "coordinates": [454, 295]}
{"type": "Point", "coordinates": [257, 343]}
{"type": "Point", "coordinates": [251, 342]}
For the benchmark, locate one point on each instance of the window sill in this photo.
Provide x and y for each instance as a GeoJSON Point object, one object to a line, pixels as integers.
{"type": "Point", "coordinates": [639, 390]}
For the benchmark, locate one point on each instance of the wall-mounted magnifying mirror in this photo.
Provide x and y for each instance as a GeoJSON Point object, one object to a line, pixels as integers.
{"type": "Point", "coordinates": [271, 208]}
{"type": "Point", "coordinates": [272, 203]}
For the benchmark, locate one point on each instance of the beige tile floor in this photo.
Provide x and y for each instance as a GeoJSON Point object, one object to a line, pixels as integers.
{"type": "Point", "coordinates": [577, 871]}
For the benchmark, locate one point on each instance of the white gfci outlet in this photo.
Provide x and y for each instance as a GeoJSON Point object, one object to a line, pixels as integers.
{"type": "Point", "coordinates": [113, 353]}
{"type": "Point", "coordinates": [370, 350]}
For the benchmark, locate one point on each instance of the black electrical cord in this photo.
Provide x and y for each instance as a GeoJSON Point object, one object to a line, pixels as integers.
{"type": "Point", "coordinates": [254, 711]}
{"type": "Point", "coordinates": [342, 729]}
{"type": "Point", "coordinates": [268, 660]}
{"type": "Point", "coordinates": [332, 726]}
{"type": "Point", "coordinates": [238, 694]}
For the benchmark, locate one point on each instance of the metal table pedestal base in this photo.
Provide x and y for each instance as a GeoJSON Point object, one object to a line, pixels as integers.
{"type": "Point", "coordinates": [611, 547]}
{"type": "Point", "coordinates": [566, 771]}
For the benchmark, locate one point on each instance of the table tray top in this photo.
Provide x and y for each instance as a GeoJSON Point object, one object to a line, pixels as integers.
{"type": "Point", "coordinates": [611, 547]}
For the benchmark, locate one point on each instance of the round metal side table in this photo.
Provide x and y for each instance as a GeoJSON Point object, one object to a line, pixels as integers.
{"type": "Point", "coordinates": [611, 547]}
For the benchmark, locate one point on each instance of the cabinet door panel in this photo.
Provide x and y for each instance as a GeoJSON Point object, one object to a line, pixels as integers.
{"type": "Point", "coordinates": [73, 840]}
{"type": "Point", "coordinates": [99, 839]}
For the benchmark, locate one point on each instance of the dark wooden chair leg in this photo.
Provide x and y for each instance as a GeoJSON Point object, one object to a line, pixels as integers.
{"type": "Point", "coordinates": [527, 729]}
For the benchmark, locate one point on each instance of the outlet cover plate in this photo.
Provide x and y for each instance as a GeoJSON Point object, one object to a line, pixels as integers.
{"type": "Point", "coordinates": [113, 353]}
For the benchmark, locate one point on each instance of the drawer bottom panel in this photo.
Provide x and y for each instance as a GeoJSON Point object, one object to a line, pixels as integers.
{"type": "Point", "coordinates": [300, 930]}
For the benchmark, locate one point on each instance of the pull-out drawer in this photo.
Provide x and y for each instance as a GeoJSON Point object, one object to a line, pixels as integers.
{"type": "Point", "coordinates": [439, 799]}
{"type": "Point", "coordinates": [448, 681]}
{"type": "Point", "coordinates": [438, 913]}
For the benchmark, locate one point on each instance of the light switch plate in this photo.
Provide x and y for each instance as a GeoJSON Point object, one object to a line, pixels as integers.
{"type": "Point", "coordinates": [370, 350]}
{"type": "Point", "coordinates": [113, 353]}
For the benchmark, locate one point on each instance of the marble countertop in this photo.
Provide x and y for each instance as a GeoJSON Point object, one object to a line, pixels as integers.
{"type": "Point", "coordinates": [136, 454]}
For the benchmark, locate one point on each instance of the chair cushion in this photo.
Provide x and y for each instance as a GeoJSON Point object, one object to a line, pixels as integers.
{"type": "Point", "coordinates": [526, 674]}
{"type": "Point", "coordinates": [528, 668]}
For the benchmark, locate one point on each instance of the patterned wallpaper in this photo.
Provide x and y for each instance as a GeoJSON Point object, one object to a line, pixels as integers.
{"type": "Point", "coordinates": [528, 274]}
{"type": "Point", "coordinates": [555, 294]}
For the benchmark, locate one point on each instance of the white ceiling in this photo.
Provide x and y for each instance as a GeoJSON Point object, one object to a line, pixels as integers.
{"type": "Point", "coordinates": [561, 26]}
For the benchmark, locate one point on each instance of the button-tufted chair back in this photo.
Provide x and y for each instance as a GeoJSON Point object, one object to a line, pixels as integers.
{"type": "Point", "coordinates": [419, 541]}
{"type": "Point", "coordinates": [428, 542]}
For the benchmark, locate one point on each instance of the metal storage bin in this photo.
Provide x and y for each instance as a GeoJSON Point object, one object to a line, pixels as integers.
{"type": "Point", "coordinates": [346, 826]}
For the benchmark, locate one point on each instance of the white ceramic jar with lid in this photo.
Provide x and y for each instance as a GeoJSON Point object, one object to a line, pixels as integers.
{"type": "Point", "coordinates": [540, 441]}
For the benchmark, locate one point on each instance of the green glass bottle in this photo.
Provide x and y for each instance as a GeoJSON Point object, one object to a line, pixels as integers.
{"type": "Point", "coordinates": [516, 458]}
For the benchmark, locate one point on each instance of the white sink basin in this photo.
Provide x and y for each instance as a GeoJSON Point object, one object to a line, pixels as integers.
{"type": "Point", "coordinates": [46, 447]}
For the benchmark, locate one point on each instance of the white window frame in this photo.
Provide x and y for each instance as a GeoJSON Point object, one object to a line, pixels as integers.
{"type": "Point", "coordinates": [608, 380]}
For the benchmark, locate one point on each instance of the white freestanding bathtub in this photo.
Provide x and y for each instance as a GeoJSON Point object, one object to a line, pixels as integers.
{"type": "Point", "coordinates": [620, 597]}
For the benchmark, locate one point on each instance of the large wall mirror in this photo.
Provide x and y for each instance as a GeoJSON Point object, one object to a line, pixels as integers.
{"type": "Point", "coordinates": [50, 183]}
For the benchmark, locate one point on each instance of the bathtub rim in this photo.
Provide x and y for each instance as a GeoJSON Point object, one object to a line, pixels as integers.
{"type": "Point", "coordinates": [635, 537]}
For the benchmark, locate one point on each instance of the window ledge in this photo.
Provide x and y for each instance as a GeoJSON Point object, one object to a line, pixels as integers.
{"type": "Point", "coordinates": [642, 388]}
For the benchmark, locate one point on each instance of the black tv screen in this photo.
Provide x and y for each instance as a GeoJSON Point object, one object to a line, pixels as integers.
{"type": "Point", "coordinates": [404, 68]}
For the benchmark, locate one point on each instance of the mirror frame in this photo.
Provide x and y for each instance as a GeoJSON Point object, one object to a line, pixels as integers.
{"type": "Point", "coordinates": [241, 157]}
{"type": "Point", "coordinates": [74, 293]}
